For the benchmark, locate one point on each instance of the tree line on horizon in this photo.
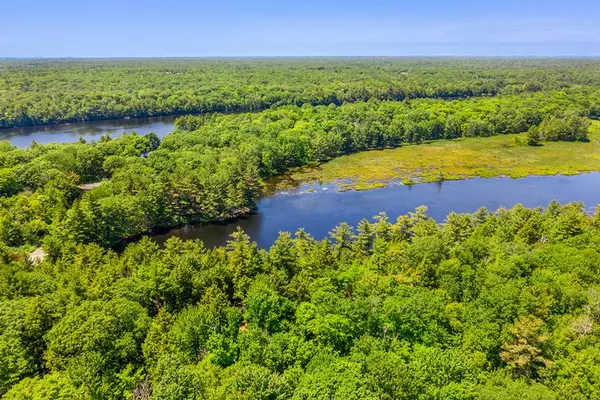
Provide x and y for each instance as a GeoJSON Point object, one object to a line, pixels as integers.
{"type": "Point", "coordinates": [35, 92]}
{"type": "Point", "coordinates": [498, 305]}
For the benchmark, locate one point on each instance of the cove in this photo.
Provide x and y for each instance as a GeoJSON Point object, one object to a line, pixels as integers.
{"type": "Point", "coordinates": [90, 131]}
{"type": "Point", "coordinates": [319, 208]}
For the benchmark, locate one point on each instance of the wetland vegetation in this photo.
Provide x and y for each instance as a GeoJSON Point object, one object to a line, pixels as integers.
{"type": "Point", "coordinates": [499, 304]}
{"type": "Point", "coordinates": [435, 161]}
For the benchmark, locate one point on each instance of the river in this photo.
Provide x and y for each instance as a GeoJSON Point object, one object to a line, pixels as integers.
{"type": "Point", "coordinates": [319, 208]}
{"type": "Point", "coordinates": [90, 131]}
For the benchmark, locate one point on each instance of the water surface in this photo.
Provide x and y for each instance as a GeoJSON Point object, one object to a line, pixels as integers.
{"type": "Point", "coordinates": [320, 211]}
{"type": "Point", "coordinates": [90, 131]}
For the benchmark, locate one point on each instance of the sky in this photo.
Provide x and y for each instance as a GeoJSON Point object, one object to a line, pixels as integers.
{"type": "Point", "coordinates": [154, 28]}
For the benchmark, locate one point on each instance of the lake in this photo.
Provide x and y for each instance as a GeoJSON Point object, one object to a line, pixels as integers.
{"type": "Point", "coordinates": [319, 208]}
{"type": "Point", "coordinates": [90, 131]}
{"type": "Point", "coordinates": [320, 211]}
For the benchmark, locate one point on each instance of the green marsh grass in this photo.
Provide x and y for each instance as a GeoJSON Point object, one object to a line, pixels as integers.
{"type": "Point", "coordinates": [503, 155]}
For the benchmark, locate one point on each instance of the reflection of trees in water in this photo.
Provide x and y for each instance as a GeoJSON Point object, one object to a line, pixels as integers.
{"type": "Point", "coordinates": [92, 130]}
{"type": "Point", "coordinates": [253, 226]}
{"type": "Point", "coordinates": [217, 234]}
{"type": "Point", "coordinates": [319, 214]}
{"type": "Point", "coordinates": [438, 185]}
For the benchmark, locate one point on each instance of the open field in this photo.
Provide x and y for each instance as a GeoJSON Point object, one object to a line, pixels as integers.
{"type": "Point", "coordinates": [503, 155]}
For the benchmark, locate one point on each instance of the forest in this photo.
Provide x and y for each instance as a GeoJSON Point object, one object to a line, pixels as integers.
{"type": "Point", "coordinates": [213, 166]}
{"type": "Point", "coordinates": [34, 92]}
{"type": "Point", "coordinates": [499, 304]}
{"type": "Point", "coordinates": [493, 305]}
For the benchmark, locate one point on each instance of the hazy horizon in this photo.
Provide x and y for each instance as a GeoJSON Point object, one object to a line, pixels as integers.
{"type": "Point", "coordinates": [249, 57]}
{"type": "Point", "coordinates": [465, 28]}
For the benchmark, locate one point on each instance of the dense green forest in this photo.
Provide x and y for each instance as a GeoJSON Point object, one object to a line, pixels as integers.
{"type": "Point", "coordinates": [495, 305]}
{"type": "Point", "coordinates": [49, 91]}
{"type": "Point", "coordinates": [502, 305]}
{"type": "Point", "coordinates": [213, 166]}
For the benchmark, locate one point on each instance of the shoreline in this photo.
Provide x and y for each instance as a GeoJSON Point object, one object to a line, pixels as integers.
{"type": "Point", "coordinates": [230, 217]}
{"type": "Point", "coordinates": [449, 160]}
{"type": "Point", "coordinates": [339, 187]}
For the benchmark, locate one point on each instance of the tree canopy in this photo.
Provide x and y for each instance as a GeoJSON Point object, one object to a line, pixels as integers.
{"type": "Point", "coordinates": [34, 92]}
{"type": "Point", "coordinates": [491, 305]}
{"type": "Point", "coordinates": [499, 305]}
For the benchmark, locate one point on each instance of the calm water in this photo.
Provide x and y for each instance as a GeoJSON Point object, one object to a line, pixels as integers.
{"type": "Point", "coordinates": [322, 210]}
{"type": "Point", "coordinates": [93, 130]}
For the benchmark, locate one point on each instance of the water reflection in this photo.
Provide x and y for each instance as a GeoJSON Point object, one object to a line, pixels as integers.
{"type": "Point", "coordinates": [90, 131]}
{"type": "Point", "coordinates": [318, 211]}
{"type": "Point", "coordinates": [216, 234]}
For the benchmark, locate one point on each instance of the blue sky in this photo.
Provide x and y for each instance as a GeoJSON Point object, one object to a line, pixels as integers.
{"type": "Point", "coordinates": [152, 28]}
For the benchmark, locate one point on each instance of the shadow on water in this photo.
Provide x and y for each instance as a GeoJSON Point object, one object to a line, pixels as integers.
{"type": "Point", "coordinates": [286, 181]}
{"type": "Point", "coordinates": [90, 131]}
{"type": "Point", "coordinates": [318, 209]}
{"type": "Point", "coordinates": [215, 234]}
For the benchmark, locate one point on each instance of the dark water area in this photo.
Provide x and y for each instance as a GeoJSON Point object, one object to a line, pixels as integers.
{"type": "Point", "coordinates": [90, 131]}
{"type": "Point", "coordinates": [319, 208]}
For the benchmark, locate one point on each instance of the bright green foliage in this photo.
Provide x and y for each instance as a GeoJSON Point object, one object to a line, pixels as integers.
{"type": "Point", "coordinates": [98, 345]}
{"type": "Point", "coordinates": [493, 305]}
{"type": "Point", "coordinates": [41, 92]}
{"type": "Point", "coordinates": [212, 167]}
{"type": "Point", "coordinates": [266, 308]}
{"type": "Point", "coordinates": [53, 386]}
{"type": "Point", "coordinates": [571, 128]}
{"type": "Point", "coordinates": [534, 136]}
{"type": "Point", "coordinates": [501, 387]}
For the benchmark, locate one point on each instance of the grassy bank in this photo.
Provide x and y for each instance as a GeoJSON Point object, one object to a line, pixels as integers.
{"type": "Point", "coordinates": [504, 155]}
